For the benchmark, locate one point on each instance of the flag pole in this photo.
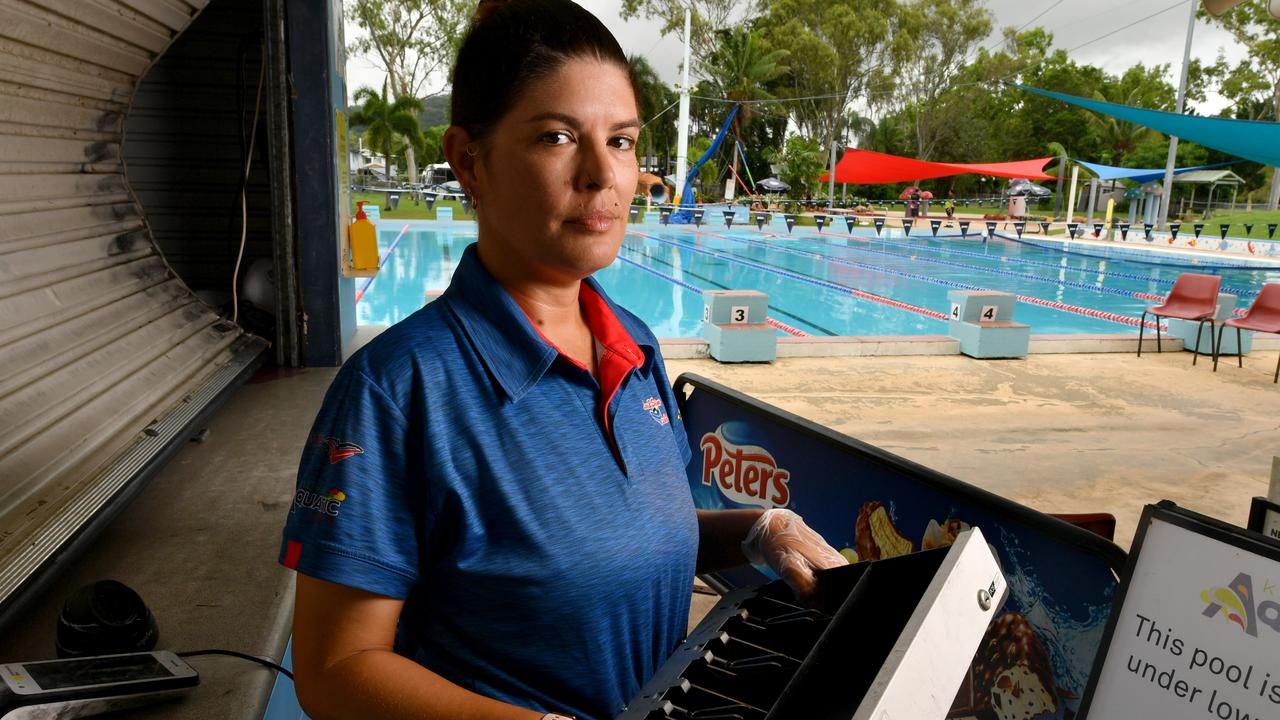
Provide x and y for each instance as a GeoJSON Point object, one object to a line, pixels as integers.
{"type": "Point", "coordinates": [682, 133]}
{"type": "Point", "coordinates": [1166, 197]}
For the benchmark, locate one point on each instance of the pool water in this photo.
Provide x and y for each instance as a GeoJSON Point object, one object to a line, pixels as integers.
{"type": "Point", "coordinates": [825, 284]}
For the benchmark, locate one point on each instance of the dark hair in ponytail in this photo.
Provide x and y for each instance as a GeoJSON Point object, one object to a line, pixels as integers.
{"type": "Point", "coordinates": [510, 44]}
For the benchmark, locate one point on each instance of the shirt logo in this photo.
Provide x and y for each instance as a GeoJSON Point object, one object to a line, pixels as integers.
{"type": "Point", "coordinates": [653, 406]}
{"type": "Point", "coordinates": [328, 504]}
{"type": "Point", "coordinates": [340, 450]}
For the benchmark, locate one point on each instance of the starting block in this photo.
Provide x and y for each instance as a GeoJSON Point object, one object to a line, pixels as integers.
{"type": "Point", "coordinates": [444, 213]}
{"type": "Point", "coordinates": [733, 324]}
{"type": "Point", "coordinates": [983, 323]}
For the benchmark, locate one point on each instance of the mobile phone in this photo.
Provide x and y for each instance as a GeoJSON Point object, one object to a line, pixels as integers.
{"type": "Point", "coordinates": [77, 687]}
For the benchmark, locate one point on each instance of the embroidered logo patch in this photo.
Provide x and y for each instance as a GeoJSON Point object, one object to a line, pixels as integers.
{"type": "Point", "coordinates": [653, 406]}
{"type": "Point", "coordinates": [340, 450]}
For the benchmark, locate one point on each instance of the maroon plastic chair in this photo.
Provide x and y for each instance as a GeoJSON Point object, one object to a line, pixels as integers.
{"type": "Point", "coordinates": [1263, 316]}
{"type": "Point", "coordinates": [1194, 297]}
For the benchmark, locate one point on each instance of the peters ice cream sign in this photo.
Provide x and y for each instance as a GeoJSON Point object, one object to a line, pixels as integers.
{"type": "Point", "coordinates": [746, 474]}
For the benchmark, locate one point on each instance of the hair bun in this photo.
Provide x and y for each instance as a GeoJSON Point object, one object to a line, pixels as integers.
{"type": "Point", "coordinates": [487, 8]}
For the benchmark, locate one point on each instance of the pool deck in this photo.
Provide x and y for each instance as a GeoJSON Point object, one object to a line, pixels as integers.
{"type": "Point", "coordinates": [1059, 433]}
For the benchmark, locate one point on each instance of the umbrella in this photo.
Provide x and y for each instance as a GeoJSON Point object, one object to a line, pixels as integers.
{"type": "Point", "coordinates": [926, 195]}
{"type": "Point", "coordinates": [772, 185]}
{"type": "Point", "coordinates": [907, 192]}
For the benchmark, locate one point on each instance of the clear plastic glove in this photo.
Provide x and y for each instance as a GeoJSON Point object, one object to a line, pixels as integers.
{"type": "Point", "coordinates": [781, 540]}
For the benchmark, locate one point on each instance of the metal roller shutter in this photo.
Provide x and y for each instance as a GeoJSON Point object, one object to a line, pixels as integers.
{"type": "Point", "coordinates": [106, 356]}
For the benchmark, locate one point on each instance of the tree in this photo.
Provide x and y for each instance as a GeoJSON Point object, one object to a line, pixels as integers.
{"type": "Point", "coordinates": [659, 133]}
{"type": "Point", "coordinates": [385, 120]}
{"type": "Point", "coordinates": [432, 149]}
{"type": "Point", "coordinates": [709, 173]}
{"type": "Point", "coordinates": [1258, 75]}
{"type": "Point", "coordinates": [944, 35]}
{"type": "Point", "coordinates": [842, 51]}
{"type": "Point", "coordinates": [706, 16]}
{"type": "Point", "coordinates": [411, 40]}
{"type": "Point", "coordinates": [799, 165]}
{"type": "Point", "coordinates": [740, 69]}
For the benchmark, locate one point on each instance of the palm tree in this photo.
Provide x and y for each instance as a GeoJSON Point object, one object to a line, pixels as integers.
{"type": "Point", "coordinates": [739, 68]}
{"type": "Point", "coordinates": [386, 121]}
{"type": "Point", "coordinates": [1117, 137]}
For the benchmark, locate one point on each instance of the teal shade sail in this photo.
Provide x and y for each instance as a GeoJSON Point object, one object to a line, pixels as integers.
{"type": "Point", "coordinates": [1248, 139]}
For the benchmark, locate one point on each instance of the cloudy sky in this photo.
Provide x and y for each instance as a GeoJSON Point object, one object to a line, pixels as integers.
{"type": "Point", "coordinates": [1075, 25]}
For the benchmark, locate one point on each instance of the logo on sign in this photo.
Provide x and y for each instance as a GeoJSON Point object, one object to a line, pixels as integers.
{"type": "Point", "coordinates": [745, 474]}
{"type": "Point", "coordinates": [1237, 604]}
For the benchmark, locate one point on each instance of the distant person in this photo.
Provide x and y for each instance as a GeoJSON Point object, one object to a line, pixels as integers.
{"type": "Point", "coordinates": [950, 206]}
{"type": "Point", "coordinates": [915, 204]}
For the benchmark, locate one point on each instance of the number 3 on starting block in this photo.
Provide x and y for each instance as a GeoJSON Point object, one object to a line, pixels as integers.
{"type": "Point", "coordinates": [738, 314]}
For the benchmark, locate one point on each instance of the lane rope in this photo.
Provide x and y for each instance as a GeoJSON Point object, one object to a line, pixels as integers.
{"type": "Point", "coordinates": [1029, 299]}
{"type": "Point", "coordinates": [382, 263]}
{"type": "Point", "coordinates": [796, 276]}
{"type": "Point", "coordinates": [790, 330]}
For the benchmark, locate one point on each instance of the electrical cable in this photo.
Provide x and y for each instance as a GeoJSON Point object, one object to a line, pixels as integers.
{"type": "Point", "coordinates": [244, 187]}
{"type": "Point", "coordinates": [1025, 25]}
{"type": "Point", "coordinates": [1090, 42]}
{"type": "Point", "coordinates": [655, 117]}
{"type": "Point", "coordinates": [243, 656]}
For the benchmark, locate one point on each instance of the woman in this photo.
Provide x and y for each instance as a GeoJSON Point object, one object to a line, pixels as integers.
{"type": "Point", "coordinates": [493, 519]}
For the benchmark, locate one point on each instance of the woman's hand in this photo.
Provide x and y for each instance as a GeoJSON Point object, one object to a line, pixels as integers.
{"type": "Point", "coordinates": [781, 540]}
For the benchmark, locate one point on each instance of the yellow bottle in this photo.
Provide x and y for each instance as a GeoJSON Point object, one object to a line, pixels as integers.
{"type": "Point", "coordinates": [363, 236]}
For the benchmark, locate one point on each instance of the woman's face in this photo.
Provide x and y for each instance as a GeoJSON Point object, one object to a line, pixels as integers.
{"type": "Point", "coordinates": [554, 179]}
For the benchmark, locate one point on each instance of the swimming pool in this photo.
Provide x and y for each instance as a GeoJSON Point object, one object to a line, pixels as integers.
{"type": "Point", "coordinates": [822, 284]}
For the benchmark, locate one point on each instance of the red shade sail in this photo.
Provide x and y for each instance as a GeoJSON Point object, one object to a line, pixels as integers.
{"type": "Point", "coordinates": [865, 167]}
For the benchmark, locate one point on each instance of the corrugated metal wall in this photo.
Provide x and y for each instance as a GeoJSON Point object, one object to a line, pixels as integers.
{"type": "Point", "coordinates": [102, 345]}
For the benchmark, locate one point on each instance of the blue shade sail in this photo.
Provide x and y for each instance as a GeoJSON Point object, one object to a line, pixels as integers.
{"type": "Point", "coordinates": [1248, 139]}
{"type": "Point", "coordinates": [1139, 175]}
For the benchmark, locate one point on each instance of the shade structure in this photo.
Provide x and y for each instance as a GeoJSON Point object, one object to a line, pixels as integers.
{"type": "Point", "coordinates": [1248, 139]}
{"type": "Point", "coordinates": [1139, 175]}
{"type": "Point", "coordinates": [867, 167]}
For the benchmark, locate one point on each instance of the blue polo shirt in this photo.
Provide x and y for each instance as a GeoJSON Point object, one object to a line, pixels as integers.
{"type": "Point", "coordinates": [537, 523]}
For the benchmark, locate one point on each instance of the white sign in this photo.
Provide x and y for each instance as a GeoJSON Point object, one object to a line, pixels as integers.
{"type": "Point", "coordinates": [1271, 526]}
{"type": "Point", "coordinates": [1198, 636]}
{"type": "Point", "coordinates": [738, 314]}
{"type": "Point", "coordinates": [990, 313]}
{"type": "Point", "coordinates": [955, 311]}
{"type": "Point", "coordinates": [706, 313]}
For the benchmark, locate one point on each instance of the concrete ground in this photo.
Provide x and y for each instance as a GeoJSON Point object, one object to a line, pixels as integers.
{"type": "Point", "coordinates": [1059, 433]}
